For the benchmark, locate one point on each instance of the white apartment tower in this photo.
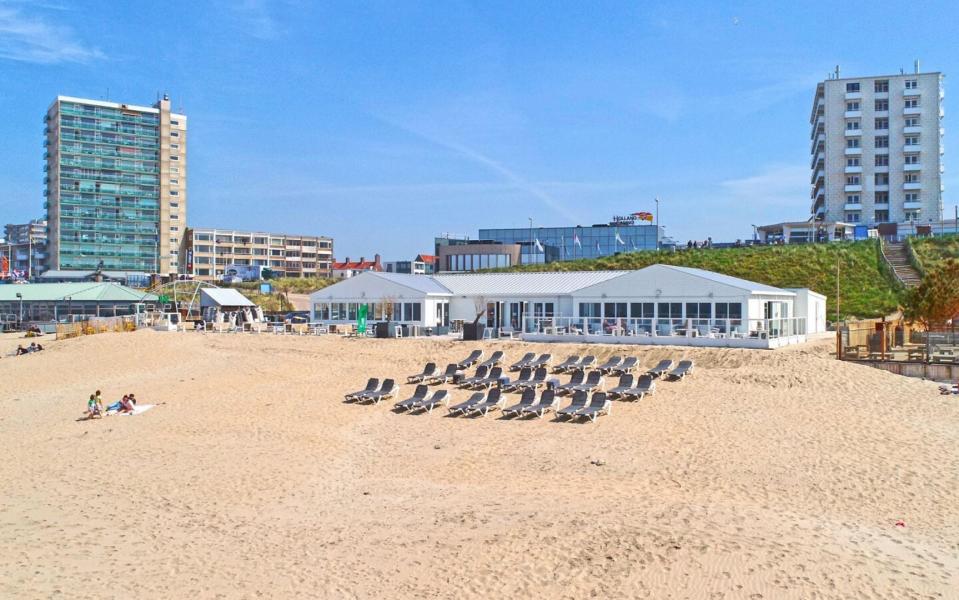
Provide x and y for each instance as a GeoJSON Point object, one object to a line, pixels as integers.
{"type": "Point", "coordinates": [877, 149]}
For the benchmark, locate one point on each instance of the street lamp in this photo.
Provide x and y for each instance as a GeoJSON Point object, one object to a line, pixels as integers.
{"type": "Point", "coordinates": [69, 300]}
{"type": "Point", "coordinates": [20, 321]}
{"type": "Point", "coordinates": [657, 223]}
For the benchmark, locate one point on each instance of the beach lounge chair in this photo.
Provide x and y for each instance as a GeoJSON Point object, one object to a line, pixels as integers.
{"type": "Point", "coordinates": [525, 375]}
{"type": "Point", "coordinates": [428, 371]}
{"type": "Point", "coordinates": [578, 403]}
{"type": "Point", "coordinates": [419, 394]}
{"type": "Point", "coordinates": [661, 369]}
{"type": "Point", "coordinates": [542, 361]}
{"type": "Point", "coordinates": [462, 407]}
{"type": "Point", "coordinates": [523, 362]}
{"type": "Point", "coordinates": [428, 404]}
{"type": "Point", "coordinates": [610, 364]}
{"type": "Point", "coordinates": [386, 391]}
{"type": "Point", "coordinates": [593, 381]}
{"type": "Point", "coordinates": [627, 366]}
{"type": "Point", "coordinates": [526, 400]}
{"type": "Point", "coordinates": [446, 377]}
{"type": "Point", "coordinates": [644, 385]}
{"type": "Point", "coordinates": [470, 360]}
{"type": "Point", "coordinates": [567, 388]}
{"type": "Point", "coordinates": [587, 363]}
{"type": "Point", "coordinates": [548, 401]}
{"type": "Point", "coordinates": [625, 384]}
{"type": "Point", "coordinates": [598, 405]}
{"type": "Point", "coordinates": [481, 374]}
{"type": "Point", "coordinates": [538, 379]}
{"type": "Point", "coordinates": [371, 385]}
{"type": "Point", "coordinates": [566, 364]}
{"type": "Point", "coordinates": [494, 360]}
{"type": "Point", "coordinates": [492, 379]}
{"type": "Point", "coordinates": [684, 368]}
{"type": "Point", "coordinates": [494, 399]}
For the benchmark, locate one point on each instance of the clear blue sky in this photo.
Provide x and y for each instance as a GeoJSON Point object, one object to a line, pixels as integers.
{"type": "Point", "coordinates": [385, 123]}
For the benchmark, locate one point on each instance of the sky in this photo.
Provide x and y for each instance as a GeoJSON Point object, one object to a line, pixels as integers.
{"type": "Point", "coordinates": [385, 124]}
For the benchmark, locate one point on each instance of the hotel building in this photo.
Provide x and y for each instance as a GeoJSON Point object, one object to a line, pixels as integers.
{"type": "Point", "coordinates": [206, 252]}
{"type": "Point", "coordinates": [115, 185]}
{"type": "Point", "coordinates": [876, 146]}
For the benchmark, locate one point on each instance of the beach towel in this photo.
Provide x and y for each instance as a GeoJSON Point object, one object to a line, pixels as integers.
{"type": "Point", "coordinates": [138, 409]}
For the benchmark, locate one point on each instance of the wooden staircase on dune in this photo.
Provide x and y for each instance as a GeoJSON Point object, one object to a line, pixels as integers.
{"type": "Point", "coordinates": [897, 257]}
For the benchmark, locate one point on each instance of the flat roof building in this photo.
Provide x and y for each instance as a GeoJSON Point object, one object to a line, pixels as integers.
{"type": "Point", "coordinates": [116, 190]}
{"type": "Point", "coordinates": [207, 252]}
{"type": "Point", "coordinates": [60, 301]}
{"type": "Point", "coordinates": [26, 247]}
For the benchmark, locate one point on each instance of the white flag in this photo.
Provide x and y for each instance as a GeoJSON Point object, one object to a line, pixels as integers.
{"type": "Point", "coordinates": [619, 240]}
{"type": "Point", "coordinates": [576, 241]}
{"type": "Point", "coordinates": [539, 246]}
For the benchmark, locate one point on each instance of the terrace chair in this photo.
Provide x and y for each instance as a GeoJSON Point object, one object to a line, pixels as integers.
{"type": "Point", "coordinates": [525, 375]}
{"type": "Point", "coordinates": [371, 385]}
{"type": "Point", "coordinates": [419, 394]}
{"type": "Point", "coordinates": [593, 380]}
{"type": "Point", "coordinates": [470, 360]}
{"type": "Point", "coordinates": [538, 379]}
{"type": "Point", "coordinates": [610, 364]}
{"type": "Point", "coordinates": [462, 407]}
{"type": "Point", "coordinates": [428, 404]}
{"type": "Point", "coordinates": [481, 374]}
{"type": "Point", "coordinates": [542, 361]}
{"type": "Point", "coordinates": [428, 371]}
{"type": "Point", "coordinates": [548, 401]}
{"type": "Point", "coordinates": [494, 360]}
{"type": "Point", "coordinates": [578, 403]}
{"type": "Point", "coordinates": [598, 405]}
{"type": "Point", "coordinates": [386, 391]}
{"type": "Point", "coordinates": [684, 368]}
{"type": "Point", "coordinates": [447, 376]}
{"type": "Point", "coordinates": [566, 364]}
{"type": "Point", "coordinates": [587, 363]}
{"type": "Point", "coordinates": [523, 362]}
{"type": "Point", "coordinates": [494, 399]}
{"type": "Point", "coordinates": [644, 385]}
{"type": "Point", "coordinates": [627, 366]}
{"type": "Point", "coordinates": [567, 388]}
{"type": "Point", "coordinates": [661, 369]}
{"type": "Point", "coordinates": [526, 400]}
{"type": "Point", "coordinates": [625, 384]}
{"type": "Point", "coordinates": [494, 376]}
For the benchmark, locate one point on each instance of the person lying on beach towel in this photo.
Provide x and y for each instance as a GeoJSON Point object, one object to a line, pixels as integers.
{"type": "Point", "coordinates": [123, 406]}
{"type": "Point", "coordinates": [21, 350]}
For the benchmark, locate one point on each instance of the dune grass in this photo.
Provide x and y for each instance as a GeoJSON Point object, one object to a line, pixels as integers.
{"type": "Point", "coordinates": [931, 252]}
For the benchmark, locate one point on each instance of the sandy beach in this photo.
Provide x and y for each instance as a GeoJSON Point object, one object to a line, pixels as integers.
{"type": "Point", "coordinates": [767, 474]}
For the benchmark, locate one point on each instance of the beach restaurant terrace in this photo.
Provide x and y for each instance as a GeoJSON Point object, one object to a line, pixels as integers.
{"type": "Point", "coordinates": [63, 301]}
{"type": "Point", "coordinates": [657, 305]}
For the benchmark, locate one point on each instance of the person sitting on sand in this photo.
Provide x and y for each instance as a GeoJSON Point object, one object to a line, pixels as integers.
{"type": "Point", "coordinates": [33, 347]}
{"type": "Point", "coordinates": [94, 407]}
{"type": "Point", "coordinates": [132, 398]}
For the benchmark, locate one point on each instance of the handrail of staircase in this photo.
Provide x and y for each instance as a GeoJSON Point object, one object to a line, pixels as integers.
{"type": "Point", "coordinates": [882, 252]}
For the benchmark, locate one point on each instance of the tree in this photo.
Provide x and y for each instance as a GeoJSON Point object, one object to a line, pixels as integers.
{"type": "Point", "coordinates": [935, 301]}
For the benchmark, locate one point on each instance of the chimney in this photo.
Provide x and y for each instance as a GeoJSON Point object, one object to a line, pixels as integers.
{"type": "Point", "coordinates": [376, 260]}
{"type": "Point", "coordinates": [362, 259]}
{"type": "Point", "coordinates": [837, 71]}
{"type": "Point", "coordinates": [917, 66]}
{"type": "Point", "coordinates": [347, 259]}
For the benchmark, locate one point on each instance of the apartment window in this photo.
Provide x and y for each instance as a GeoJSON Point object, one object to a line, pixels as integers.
{"type": "Point", "coordinates": [853, 161]}
{"type": "Point", "coordinates": [881, 178]}
{"type": "Point", "coordinates": [912, 197]}
{"type": "Point", "coordinates": [174, 169]}
{"type": "Point", "coordinates": [882, 141]}
{"type": "Point", "coordinates": [912, 215]}
{"type": "Point", "coordinates": [852, 125]}
{"type": "Point", "coordinates": [882, 160]}
{"type": "Point", "coordinates": [881, 86]}
{"type": "Point", "coordinates": [912, 121]}
{"type": "Point", "coordinates": [881, 216]}
{"type": "Point", "coordinates": [881, 198]}
{"type": "Point", "coordinates": [175, 217]}
{"type": "Point", "coordinates": [912, 84]}
{"type": "Point", "coordinates": [852, 217]}
{"type": "Point", "coordinates": [259, 240]}
{"type": "Point", "coordinates": [852, 143]}
{"type": "Point", "coordinates": [174, 205]}
{"type": "Point", "coordinates": [911, 178]}
{"type": "Point", "coordinates": [912, 140]}
{"type": "Point", "coordinates": [852, 180]}
{"type": "Point", "coordinates": [174, 158]}
{"type": "Point", "coordinates": [204, 237]}
{"type": "Point", "coordinates": [852, 199]}
{"type": "Point", "coordinates": [882, 123]}
{"type": "Point", "coordinates": [174, 134]}
{"type": "Point", "coordinates": [174, 193]}
{"type": "Point", "coordinates": [174, 122]}
{"type": "Point", "coordinates": [174, 146]}
{"type": "Point", "coordinates": [852, 87]}
{"type": "Point", "coordinates": [912, 159]}
{"type": "Point", "coordinates": [851, 106]}
{"type": "Point", "coordinates": [912, 103]}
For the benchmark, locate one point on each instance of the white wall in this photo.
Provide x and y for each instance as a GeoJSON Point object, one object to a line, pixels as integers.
{"type": "Point", "coordinates": [811, 305]}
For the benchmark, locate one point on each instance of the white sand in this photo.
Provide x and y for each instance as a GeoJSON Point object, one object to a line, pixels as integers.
{"type": "Point", "coordinates": [766, 475]}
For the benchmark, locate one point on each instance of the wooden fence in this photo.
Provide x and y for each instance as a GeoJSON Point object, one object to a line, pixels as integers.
{"type": "Point", "coordinates": [94, 325]}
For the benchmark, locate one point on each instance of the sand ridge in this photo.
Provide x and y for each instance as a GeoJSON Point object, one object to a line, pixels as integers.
{"type": "Point", "coordinates": [766, 474]}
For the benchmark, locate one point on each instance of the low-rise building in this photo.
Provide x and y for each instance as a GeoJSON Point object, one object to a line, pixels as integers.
{"type": "Point", "coordinates": [207, 252]}
{"type": "Point", "coordinates": [61, 301]}
{"type": "Point", "coordinates": [421, 265]}
{"type": "Point", "coordinates": [349, 268]}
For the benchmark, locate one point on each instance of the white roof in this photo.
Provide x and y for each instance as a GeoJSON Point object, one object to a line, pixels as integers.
{"type": "Point", "coordinates": [223, 297]}
{"type": "Point", "coordinates": [729, 280]}
{"type": "Point", "coordinates": [524, 284]}
{"type": "Point", "coordinates": [420, 283]}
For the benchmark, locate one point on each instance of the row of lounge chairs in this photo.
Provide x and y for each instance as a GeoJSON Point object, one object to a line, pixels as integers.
{"type": "Point", "coordinates": [581, 405]}
{"type": "Point", "coordinates": [374, 392]}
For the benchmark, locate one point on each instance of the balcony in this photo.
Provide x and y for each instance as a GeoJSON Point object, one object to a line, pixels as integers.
{"type": "Point", "coordinates": [853, 152]}
{"type": "Point", "coordinates": [853, 132]}
{"type": "Point", "coordinates": [910, 92]}
{"type": "Point", "coordinates": [881, 187]}
{"type": "Point", "coordinates": [816, 176]}
{"type": "Point", "coordinates": [912, 185]}
{"type": "Point", "coordinates": [857, 169]}
{"type": "Point", "coordinates": [912, 110]}
{"type": "Point", "coordinates": [851, 206]}
{"type": "Point", "coordinates": [818, 158]}
{"type": "Point", "coordinates": [856, 187]}
{"type": "Point", "coordinates": [911, 205]}
{"type": "Point", "coordinates": [908, 130]}
{"type": "Point", "coordinates": [853, 114]}
{"type": "Point", "coordinates": [912, 167]}
{"type": "Point", "coordinates": [911, 148]}
{"type": "Point", "coordinates": [853, 95]}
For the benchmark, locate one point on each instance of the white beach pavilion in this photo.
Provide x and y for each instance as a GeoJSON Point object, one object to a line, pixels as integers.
{"type": "Point", "coordinates": [660, 304]}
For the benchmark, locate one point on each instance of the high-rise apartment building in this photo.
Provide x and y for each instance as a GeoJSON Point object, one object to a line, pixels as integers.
{"type": "Point", "coordinates": [25, 247]}
{"type": "Point", "coordinates": [206, 253]}
{"type": "Point", "coordinates": [877, 149]}
{"type": "Point", "coordinates": [115, 184]}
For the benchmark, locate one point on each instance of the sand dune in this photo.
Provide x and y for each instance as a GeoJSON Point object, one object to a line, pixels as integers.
{"type": "Point", "coordinates": [765, 475]}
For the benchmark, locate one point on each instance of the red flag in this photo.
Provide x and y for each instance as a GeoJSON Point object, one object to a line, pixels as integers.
{"type": "Point", "coordinates": [4, 265]}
